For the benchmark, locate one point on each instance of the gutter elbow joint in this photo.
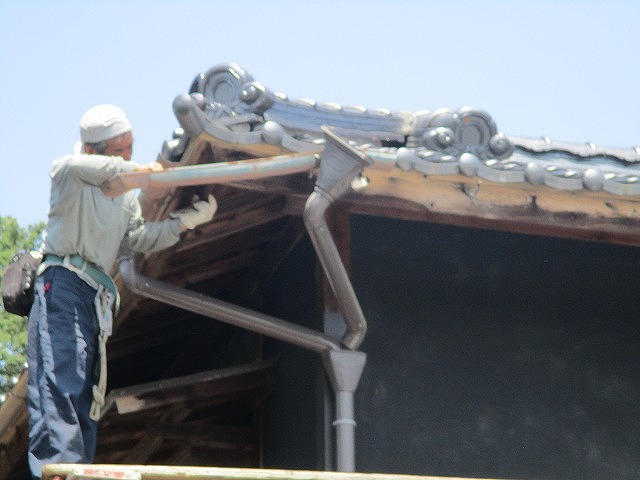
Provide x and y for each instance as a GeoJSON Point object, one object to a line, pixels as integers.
{"type": "Point", "coordinates": [352, 340]}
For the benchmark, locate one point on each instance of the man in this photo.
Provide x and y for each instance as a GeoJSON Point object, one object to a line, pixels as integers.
{"type": "Point", "coordinates": [71, 316]}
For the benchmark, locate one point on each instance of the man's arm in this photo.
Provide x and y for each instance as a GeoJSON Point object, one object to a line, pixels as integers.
{"type": "Point", "coordinates": [153, 236]}
{"type": "Point", "coordinates": [149, 167]}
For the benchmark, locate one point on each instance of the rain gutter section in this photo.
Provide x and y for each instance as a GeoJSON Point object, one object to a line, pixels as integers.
{"type": "Point", "coordinates": [224, 311]}
{"type": "Point", "coordinates": [210, 173]}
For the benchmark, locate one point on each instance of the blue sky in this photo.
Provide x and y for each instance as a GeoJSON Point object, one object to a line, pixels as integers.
{"type": "Point", "coordinates": [566, 69]}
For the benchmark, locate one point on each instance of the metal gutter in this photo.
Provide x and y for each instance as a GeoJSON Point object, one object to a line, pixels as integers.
{"type": "Point", "coordinates": [220, 310]}
{"type": "Point", "coordinates": [210, 173]}
{"type": "Point", "coordinates": [341, 164]}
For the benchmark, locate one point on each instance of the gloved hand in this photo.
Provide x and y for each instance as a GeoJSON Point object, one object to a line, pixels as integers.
{"type": "Point", "coordinates": [200, 212]}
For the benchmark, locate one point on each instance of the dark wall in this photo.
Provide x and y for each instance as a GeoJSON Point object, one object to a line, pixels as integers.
{"type": "Point", "coordinates": [489, 354]}
{"type": "Point", "coordinates": [291, 437]}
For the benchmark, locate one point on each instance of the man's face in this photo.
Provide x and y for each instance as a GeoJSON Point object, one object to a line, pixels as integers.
{"type": "Point", "coordinates": [121, 146]}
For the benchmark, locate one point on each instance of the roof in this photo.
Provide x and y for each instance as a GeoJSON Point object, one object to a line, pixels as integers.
{"type": "Point", "coordinates": [453, 166]}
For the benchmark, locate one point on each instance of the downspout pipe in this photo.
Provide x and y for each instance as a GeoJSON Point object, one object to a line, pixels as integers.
{"type": "Point", "coordinates": [340, 165]}
{"type": "Point", "coordinates": [344, 368]}
{"type": "Point", "coordinates": [223, 311]}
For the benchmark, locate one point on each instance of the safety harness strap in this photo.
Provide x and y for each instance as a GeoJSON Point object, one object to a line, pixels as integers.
{"type": "Point", "coordinates": [103, 303]}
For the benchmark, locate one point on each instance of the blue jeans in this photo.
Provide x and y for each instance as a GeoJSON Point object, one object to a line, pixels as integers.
{"type": "Point", "coordinates": [61, 351]}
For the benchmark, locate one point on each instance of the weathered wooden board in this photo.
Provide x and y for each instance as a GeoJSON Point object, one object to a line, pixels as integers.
{"type": "Point", "coordinates": [150, 472]}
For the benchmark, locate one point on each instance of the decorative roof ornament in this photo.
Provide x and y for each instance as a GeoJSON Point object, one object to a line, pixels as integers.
{"type": "Point", "coordinates": [230, 105]}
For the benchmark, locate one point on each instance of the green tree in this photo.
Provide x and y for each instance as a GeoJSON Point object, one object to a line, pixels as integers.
{"type": "Point", "coordinates": [13, 328]}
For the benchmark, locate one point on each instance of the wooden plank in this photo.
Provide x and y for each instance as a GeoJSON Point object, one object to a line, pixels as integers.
{"type": "Point", "coordinates": [153, 472]}
{"type": "Point", "coordinates": [518, 207]}
{"type": "Point", "coordinates": [201, 385]}
{"type": "Point", "coordinates": [460, 195]}
{"type": "Point", "coordinates": [149, 444]}
{"type": "Point", "coordinates": [239, 439]}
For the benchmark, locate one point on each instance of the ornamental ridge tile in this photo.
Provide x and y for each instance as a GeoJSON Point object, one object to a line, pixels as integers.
{"type": "Point", "coordinates": [228, 104]}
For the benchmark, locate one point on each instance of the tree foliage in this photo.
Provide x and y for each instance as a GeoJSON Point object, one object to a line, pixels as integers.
{"type": "Point", "coordinates": [13, 328]}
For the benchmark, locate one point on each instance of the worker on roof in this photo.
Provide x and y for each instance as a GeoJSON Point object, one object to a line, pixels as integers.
{"type": "Point", "coordinates": [70, 319]}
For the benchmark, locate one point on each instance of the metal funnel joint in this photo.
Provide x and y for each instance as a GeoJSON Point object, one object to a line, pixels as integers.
{"type": "Point", "coordinates": [340, 164]}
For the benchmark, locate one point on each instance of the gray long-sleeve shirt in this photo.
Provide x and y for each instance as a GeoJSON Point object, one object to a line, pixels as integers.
{"type": "Point", "coordinates": [82, 220]}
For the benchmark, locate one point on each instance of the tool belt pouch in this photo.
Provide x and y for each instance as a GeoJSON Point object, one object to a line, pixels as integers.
{"type": "Point", "coordinates": [18, 281]}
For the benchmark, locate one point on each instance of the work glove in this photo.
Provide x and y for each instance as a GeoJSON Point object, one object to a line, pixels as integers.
{"type": "Point", "coordinates": [200, 212]}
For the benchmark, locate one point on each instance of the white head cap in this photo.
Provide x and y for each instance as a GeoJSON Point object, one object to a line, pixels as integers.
{"type": "Point", "coordinates": [103, 122]}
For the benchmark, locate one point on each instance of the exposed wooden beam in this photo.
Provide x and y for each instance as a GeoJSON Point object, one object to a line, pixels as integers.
{"type": "Point", "coordinates": [521, 207]}
{"type": "Point", "coordinates": [242, 439]}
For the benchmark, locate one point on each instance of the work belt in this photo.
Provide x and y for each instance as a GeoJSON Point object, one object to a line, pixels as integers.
{"type": "Point", "coordinates": [89, 269]}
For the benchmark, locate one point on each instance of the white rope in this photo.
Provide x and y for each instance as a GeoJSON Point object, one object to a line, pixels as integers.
{"type": "Point", "coordinates": [103, 303]}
